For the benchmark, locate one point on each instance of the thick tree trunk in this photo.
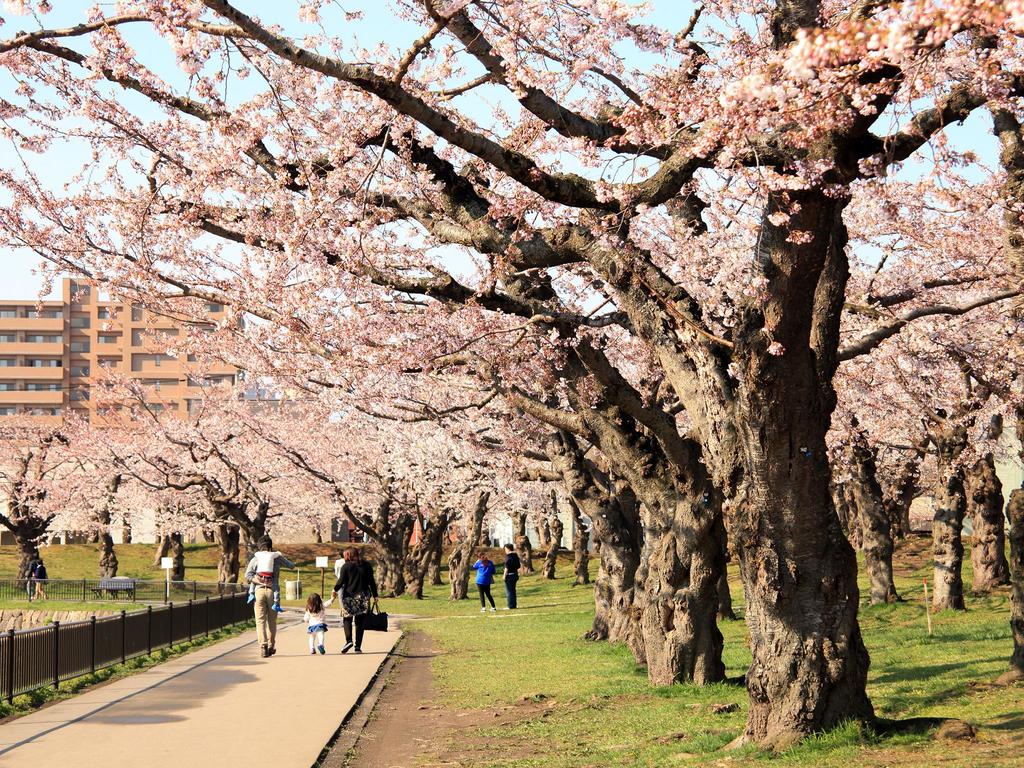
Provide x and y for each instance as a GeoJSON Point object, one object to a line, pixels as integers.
{"type": "Point", "coordinates": [580, 545]}
{"type": "Point", "coordinates": [228, 539]}
{"type": "Point", "coordinates": [543, 532]}
{"type": "Point", "coordinates": [1016, 514]}
{"type": "Point", "coordinates": [28, 551]}
{"type": "Point", "coordinates": [434, 566]}
{"type": "Point", "coordinates": [108, 558]}
{"type": "Point", "coordinates": [810, 665]}
{"type": "Point", "coordinates": [177, 549]}
{"type": "Point", "coordinates": [675, 603]}
{"type": "Point", "coordinates": [904, 490]}
{"type": "Point", "coordinates": [868, 505]}
{"type": "Point", "coordinates": [423, 553]}
{"type": "Point", "coordinates": [522, 541]}
{"type": "Point", "coordinates": [462, 556]}
{"type": "Point", "coordinates": [846, 510]}
{"type": "Point", "coordinates": [947, 526]}
{"type": "Point", "coordinates": [985, 506]}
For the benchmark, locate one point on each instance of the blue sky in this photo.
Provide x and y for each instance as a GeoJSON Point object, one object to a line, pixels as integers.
{"type": "Point", "coordinates": [19, 277]}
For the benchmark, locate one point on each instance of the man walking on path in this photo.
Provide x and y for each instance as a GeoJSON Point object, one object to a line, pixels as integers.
{"type": "Point", "coordinates": [512, 566]}
{"type": "Point", "coordinates": [267, 585]}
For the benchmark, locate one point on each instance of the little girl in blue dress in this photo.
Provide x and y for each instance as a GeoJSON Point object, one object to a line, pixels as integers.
{"type": "Point", "coordinates": [316, 622]}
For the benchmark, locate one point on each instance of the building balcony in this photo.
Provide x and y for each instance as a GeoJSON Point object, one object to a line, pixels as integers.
{"type": "Point", "coordinates": [32, 372]}
{"type": "Point", "coordinates": [33, 324]}
{"type": "Point", "coordinates": [31, 397]}
{"type": "Point", "coordinates": [33, 348]}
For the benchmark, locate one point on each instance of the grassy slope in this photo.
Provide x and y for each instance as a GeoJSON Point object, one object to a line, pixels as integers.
{"type": "Point", "coordinates": [606, 714]}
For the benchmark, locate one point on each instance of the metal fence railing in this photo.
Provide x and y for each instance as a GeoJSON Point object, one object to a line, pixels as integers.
{"type": "Point", "coordinates": [117, 590]}
{"type": "Point", "coordinates": [48, 655]}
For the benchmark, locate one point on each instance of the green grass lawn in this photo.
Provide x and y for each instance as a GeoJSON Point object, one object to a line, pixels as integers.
{"type": "Point", "coordinates": [601, 711]}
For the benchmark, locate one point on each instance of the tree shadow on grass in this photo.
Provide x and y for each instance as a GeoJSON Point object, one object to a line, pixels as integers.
{"type": "Point", "coordinates": [915, 672]}
{"type": "Point", "coordinates": [1011, 721]}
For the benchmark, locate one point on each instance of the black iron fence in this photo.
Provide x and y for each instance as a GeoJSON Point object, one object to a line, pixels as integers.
{"type": "Point", "coordinates": [42, 656]}
{"type": "Point", "coordinates": [114, 590]}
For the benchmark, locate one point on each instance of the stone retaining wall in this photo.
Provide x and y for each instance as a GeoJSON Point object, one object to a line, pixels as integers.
{"type": "Point", "coordinates": [23, 619]}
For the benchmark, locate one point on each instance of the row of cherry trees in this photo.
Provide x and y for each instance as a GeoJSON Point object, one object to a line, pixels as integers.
{"type": "Point", "coordinates": [647, 263]}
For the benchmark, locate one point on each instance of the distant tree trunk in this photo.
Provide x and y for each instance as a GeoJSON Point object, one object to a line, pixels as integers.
{"type": "Point", "coordinates": [985, 506]}
{"type": "Point", "coordinates": [554, 528]}
{"type": "Point", "coordinates": [522, 541]}
{"type": "Point", "coordinates": [904, 490]}
{"type": "Point", "coordinates": [947, 526]}
{"type": "Point", "coordinates": [108, 558]}
{"type": "Point", "coordinates": [209, 535]}
{"type": "Point", "coordinates": [462, 556]}
{"type": "Point", "coordinates": [876, 528]}
{"type": "Point", "coordinates": [177, 548]}
{"type": "Point", "coordinates": [847, 512]}
{"type": "Point", "coordinates": [580, 545]}
{"type": "Point", "coordinates": [1016, 513]}
{"type": "Point", "coordinates": [126, 529]}
{"type": "Point", "coordinates": [434, 565]}
{"type": "Point", "coordinates": [28, 550]}
{"type": "Point", "coordinates": [318, 535]}
{"type": "Point", "coordinates": [543, 531]}
{"type": "Point", "coordinates": [227, 566]}
{"type": "Point", "coordinates": [423, 552]}
{"type": "Point", "coordinates": [163, 545]}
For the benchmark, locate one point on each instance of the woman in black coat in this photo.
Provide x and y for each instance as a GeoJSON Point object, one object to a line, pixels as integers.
{"type": "Point", "coordinates": [358, 591]}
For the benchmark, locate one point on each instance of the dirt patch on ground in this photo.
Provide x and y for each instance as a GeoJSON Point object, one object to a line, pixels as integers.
{"type": "Point", "coordinates": [408, 727]}
{"type": "Point", "coordinates": [914, 553]}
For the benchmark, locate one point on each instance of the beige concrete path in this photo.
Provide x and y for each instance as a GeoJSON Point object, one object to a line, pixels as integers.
{"type": "Point", "coordinates": [221, 706]}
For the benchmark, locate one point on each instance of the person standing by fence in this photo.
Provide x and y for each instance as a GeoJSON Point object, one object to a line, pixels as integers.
{"type": "Point", "coordinates": [39, 577]}
{"type": "Point", "coordinates": [357, 588]}
{"type": "Point", "coordinates": [267, 585]}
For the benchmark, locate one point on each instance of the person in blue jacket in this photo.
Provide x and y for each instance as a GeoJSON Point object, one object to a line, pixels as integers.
{"type": "Point", "coordinates": [484, 578]}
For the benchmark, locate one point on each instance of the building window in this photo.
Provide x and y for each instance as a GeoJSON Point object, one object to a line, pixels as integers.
{"type": "Point", "coordinates": [8, 313]}
{"type": "Point", "coordinates": [108, 362]}
{"type": "Point", "coordinates": [8, 338]}
{"type": "Point", "coordinates": [79, 370]}
{"type": "Point", "coordinates": [8, 410]}
{"type": "Point", "coordinates": [80, 321]}
{"type": "Point", "coordinates": [45, 412]}
{"type": "Point", "coordinates": [8, 362]}
{"type": "Point", "coordinates": [136, 314]}
{"type": "Point", "coordinates": [137, 337]}
{"type": "Point", "coordinates": [214, 307]}
{"type": "Point", "coordinates": [80, 346]}
{"type": "Point", "coordinates": [53, 314]}
{"type": "Point", "coordinates": [35, 386]}
{"type": "Point", "coordinates": [107, 338]}
{"type": "Point", "coordinates": [39, 362]}
{"type": "Point", "coordinates": [40, 338]}
{"type": "Point", "coordinates": [6, 386]}
{"type": "Point", "coordinates": [156, 360]}
{"type": "Point", "coordinates": [80, 394]}
{"type": "Point", "coordinates": [103, 313]}
{"type": "Point", "coordinates": [79, 291]}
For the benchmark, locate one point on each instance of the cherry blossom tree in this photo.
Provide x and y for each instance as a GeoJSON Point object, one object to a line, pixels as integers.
{"type": "Point", "coordinates": [670, 240]}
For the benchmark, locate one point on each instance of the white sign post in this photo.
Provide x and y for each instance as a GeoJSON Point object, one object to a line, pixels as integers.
{"type": "Point", "coordinates": [167, 563]}
{"type": "Point", "coordinates": [321, 563]}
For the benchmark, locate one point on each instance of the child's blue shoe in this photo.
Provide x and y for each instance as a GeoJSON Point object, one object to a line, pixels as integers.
{"type": "Point", "coordinates": [251, 599]}
{"type": "Point", "coordinates": [321, 649]}
{"type": "Point", "coordinates": [277, 607]}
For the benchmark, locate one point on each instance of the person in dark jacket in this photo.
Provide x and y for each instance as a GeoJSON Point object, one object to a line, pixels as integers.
{"type": "Point", "coordinates": [358, 591]}
{"type": "Point", "coordinates": [512, 566]}
{"type": "Point", "coordinates": [485, 569]}
{"type": "Point", "coordinates": [39, 578]}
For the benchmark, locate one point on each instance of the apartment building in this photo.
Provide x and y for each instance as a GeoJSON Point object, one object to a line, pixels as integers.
{"type": "Point", "coordinates": [52, 352]}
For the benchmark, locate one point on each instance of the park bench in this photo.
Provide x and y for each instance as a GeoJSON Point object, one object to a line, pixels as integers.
{"type": "Point", "coordinates": [116, 587]}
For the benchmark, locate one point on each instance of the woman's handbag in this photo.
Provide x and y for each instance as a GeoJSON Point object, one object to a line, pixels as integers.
{"type": "Point", "coordinates": [376, 620]}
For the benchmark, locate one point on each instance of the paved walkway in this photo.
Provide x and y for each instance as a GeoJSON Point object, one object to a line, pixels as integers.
{"type": "Point", "coordinates": [222, 705]}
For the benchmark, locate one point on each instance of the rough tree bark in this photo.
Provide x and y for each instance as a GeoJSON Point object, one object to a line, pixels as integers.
{"type": "Point", "coordinates": [522, 540]}
{"type": "Point", "coordinates": [177, 547]}
{"type": "Point", "coordinates": [580, 545]}
{"type": "Point", "coordinates": [391, 547]}
{"type": "Point", "coordinates": [462, 555]}
{"type": "Point", "coordinates": [554, 529]}
{"type": "Point", "coordinates": [947, 526]}
{"type": "Point", "coordinates": [846, 510]}
{"type": "Point", "coordinates": [543, 531]}
{"type": "Point", "coordinates": [163, 545]}
{"type": "Point", "coordinates": [1016, 514]}
{"type": "Point", "coordinates": [108, 558]}
{"type": "Point", "coordinates": [809, 668]}
{"type": "Point", "coordinates": [868, 504]}
{"type": "Point", "coordinates": [126, 529]}
{"type": "Point", "coordinates": [615, 519]}
{"type": "Point", "coordinates": [904, 490]}
{"type": "Point", "coordinates": [985, 506]}
{"type": "Point", "coordinates": [228, 540]}
{"type": "Point", "coordinates": [725, 610]}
